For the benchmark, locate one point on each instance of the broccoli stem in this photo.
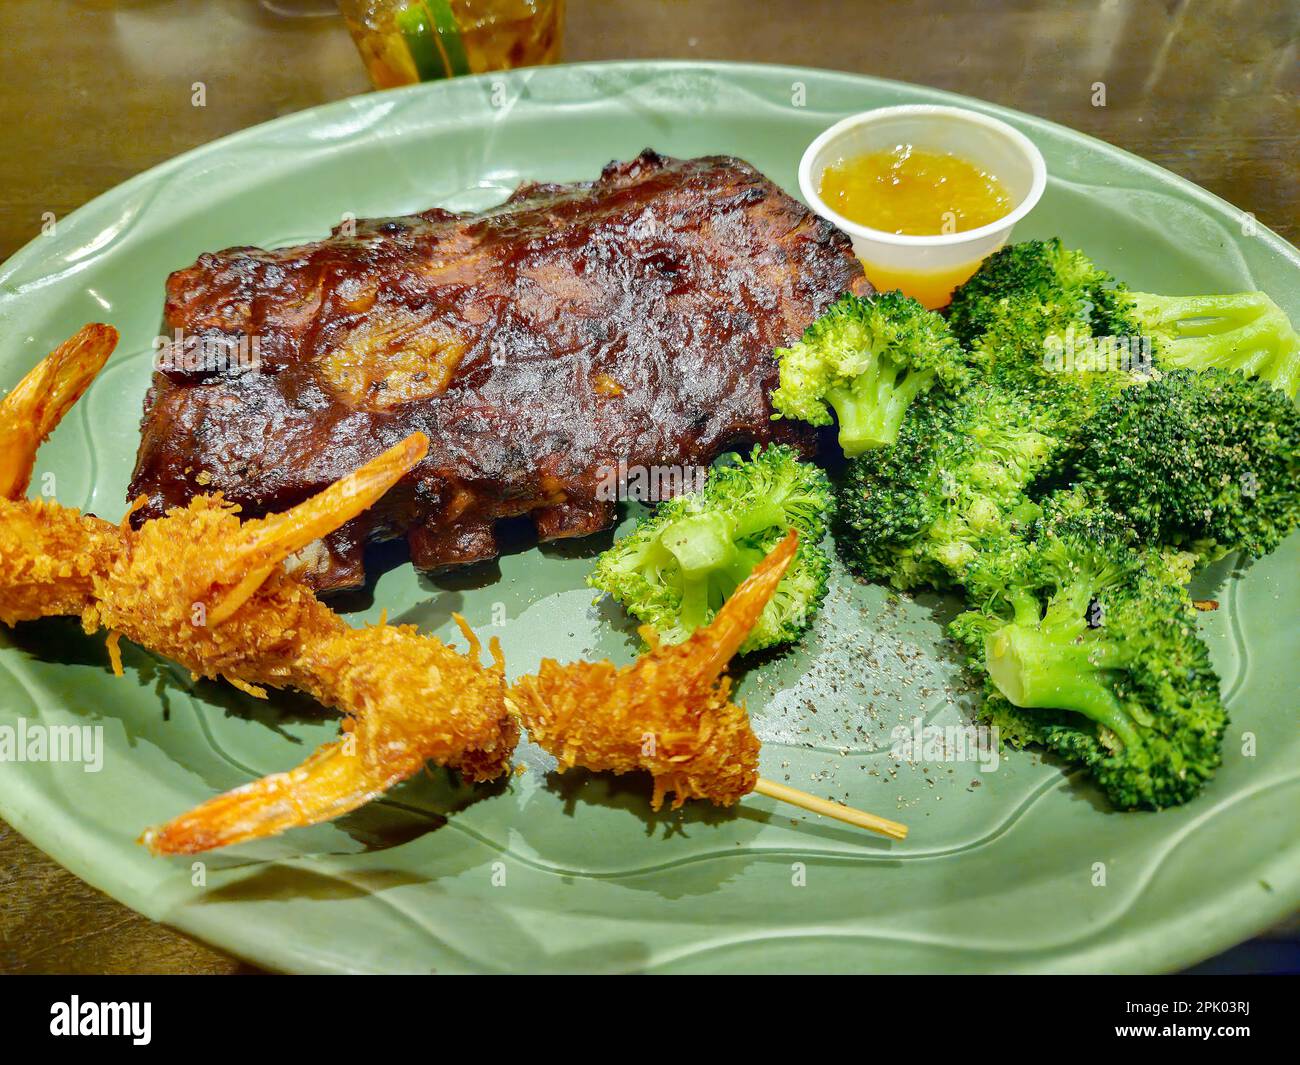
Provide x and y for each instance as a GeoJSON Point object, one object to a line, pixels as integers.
{"type": "Point", "coordinates": [711, 562]}
{"type": "Point", "coordinates": [1198, 316]}
{"type": "Point", "coordinates": [1246, 332]}
{"type": "Point", "coordinates": [769, 514]}
{"type": "Point", "coordinates": [1053, 670]}
{"type": "Point", "coordinates": [871, 407]}
{"type": "Point", "coordinates": [695, 602]}
{"type": "Point", "coordinates": [700, 542]}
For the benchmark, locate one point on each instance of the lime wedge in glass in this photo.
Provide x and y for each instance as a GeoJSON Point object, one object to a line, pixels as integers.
{"type": "Point", "coordinates": [433, 39]}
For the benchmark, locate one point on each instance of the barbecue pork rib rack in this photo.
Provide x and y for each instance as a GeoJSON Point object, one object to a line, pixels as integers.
{"type": "Point", "coordinates": [537, 345]}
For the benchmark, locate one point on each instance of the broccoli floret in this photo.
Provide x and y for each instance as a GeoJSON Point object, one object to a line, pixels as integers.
{"type": "Point", "coordinates": [1246, 332]}
{"type": "Point", "coordinates": [888, 500]}
{"type": "Point", "coordinates": [1206, 461]}
{"type": "Point", "coordinates": [1059, 367]}
{"type": "Point", "coordinates": [1062, 290]}
{"type": "Point", "coordinates": [678, 566]}
{"type": "Point", "coordinates": [867, 358]}
{"type": "Point", "coordinates": [954, 484]}
{"type": "Point", "coordinates": [1063, 284]}
{"type": "Point", "coordinates": [1026, 316]}
{"type": "Point", "coordinates": [1090, 650]}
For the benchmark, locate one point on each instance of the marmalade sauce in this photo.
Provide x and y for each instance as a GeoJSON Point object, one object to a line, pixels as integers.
{"type": "Point", "coordinates": [913, 192]}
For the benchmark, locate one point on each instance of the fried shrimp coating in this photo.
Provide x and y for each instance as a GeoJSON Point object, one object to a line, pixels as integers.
{"type": "Point", "coordinates": [212, 593]}
{"type": "Point", "coordinates": [411, 700]}
{"type": "Point", "coordinates": [48, 553]}
{"type": "Point", "coordinates": [49, 556]}
{"type": "Point", "coordinates": [668, 713]}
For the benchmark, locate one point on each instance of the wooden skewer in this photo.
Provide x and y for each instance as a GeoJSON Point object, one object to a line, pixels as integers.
{"type": "Point", "coordinates": [826, 808]}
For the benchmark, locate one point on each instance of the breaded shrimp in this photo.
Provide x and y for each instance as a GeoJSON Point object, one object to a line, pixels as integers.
{"type": "Point", "coordinates": [48, 553]}
{"type": "Point", "coordinates": [212, 593]}
{"type": "Point", "coordinates": [411, 699]}
{"type": "Point", "coordinates": [668, 713]}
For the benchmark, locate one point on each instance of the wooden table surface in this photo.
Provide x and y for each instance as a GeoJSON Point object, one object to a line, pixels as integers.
{"type": "Point", "coordinates": [98, 90]}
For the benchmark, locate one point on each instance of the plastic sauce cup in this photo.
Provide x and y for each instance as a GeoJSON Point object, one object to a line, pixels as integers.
{"type": "Point", "coordinates": [928, 267]}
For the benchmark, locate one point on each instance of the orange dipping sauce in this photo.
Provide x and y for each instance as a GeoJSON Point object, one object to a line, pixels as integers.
{"type": "Point", "coordinates": [932, 289]}
{"type": "Point", "coordinates": [912, 192]}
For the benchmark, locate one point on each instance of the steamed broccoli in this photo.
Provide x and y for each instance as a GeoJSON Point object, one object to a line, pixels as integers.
{"type": "Point", "coordinates": [677, 567]}
{"type": "Point", "coordinates": [1026, 317]}
{"type": "Point", "coordinates": [918, 512]}
{"type": "Point", "coordinates": [1080, 619]}
{"type": "Point", "coordinates": [1064, 292]}
{"type": "Point", "coordinates": [1062, 284]}
{"type": "Point", "coordinates": [867, 358]}
{"type": "Point", "coordinates": [1246, 332]}
{"type": "Point", "coordinates": [1209, 461]}
{"type": "Point", "coordinates": [956, 482]}
{"type": "Point", "coordinates": [1091, 650]}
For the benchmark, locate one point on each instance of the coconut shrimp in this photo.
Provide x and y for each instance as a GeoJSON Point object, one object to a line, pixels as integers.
{"type": "Point", "coordinates": [212, 593]}
{"type": "Point", "coordinates": [669, 713]}
{"type": "Point", "coordinates": [410, 700]}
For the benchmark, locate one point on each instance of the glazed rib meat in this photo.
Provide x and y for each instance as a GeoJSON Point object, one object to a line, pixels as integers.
{"type": "Point", "coordinates": [577, 330]}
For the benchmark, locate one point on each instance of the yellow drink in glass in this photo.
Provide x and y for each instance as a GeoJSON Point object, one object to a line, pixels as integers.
{"type": "Point", "coordinates": [405, 41]}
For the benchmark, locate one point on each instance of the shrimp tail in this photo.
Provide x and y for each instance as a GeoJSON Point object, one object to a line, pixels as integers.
{"type": "Point", "coordinates": [41, 399]}
{"type": "Point", "coordinates": [710, 649]}
{"type": "Point", "coordinates": [264, 543]}
{"type": "Point", "coordinates": [332, 782]}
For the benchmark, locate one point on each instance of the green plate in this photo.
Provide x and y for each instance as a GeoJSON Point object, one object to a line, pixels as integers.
{"type": "Point", "coordinates": [1018, 869]}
